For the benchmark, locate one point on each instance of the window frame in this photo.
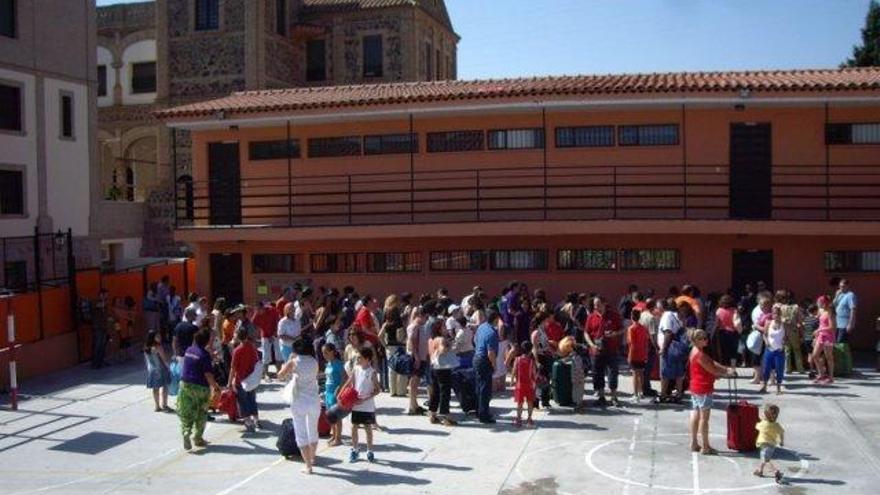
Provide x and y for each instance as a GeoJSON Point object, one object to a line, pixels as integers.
{"type": "Point", "coordinates": [413, 145]}
{"type": "Point", "coordinates": [208, 26]}
{"type": "Point", "coordinates": [835, 135]}
{"type": "Point", "coordinates": [638, 127]}
{"type": "Point", "coordinates": [132, 78]}
{"type": "Point", "coordinates": [314, 141]}
{"type": "Point", "coordinates": [575, 129]}
{"type": "Point", "coordinates": [849, 255]}
{"type": "Point", "coordinates": [539, 133]}
{"type": "Point", "coordinates": [69, 120]}
{"type": "Point", "coordinates": [542, 256]}
{"type": "Point", "coordinates": [580, 254]}
{"type": "Point", "coordinates": [292, 149]}
{"type": "Point", "coordinates": [309, 72]}
{"type": "Point", "coordinates": [332, 262]}
{"type": "Point", "coordinates": [372, 71]}
{"type": "Point", "coordinates": [19, 86]}
{"type": "Point", "coordinates": [429, 66]}
{"type": "Point", "coordinates": [416, 266]}
{"type": "Point", "coordinates": [294, 260]}
{"type": "Point", "coordinates": [623, 267]}
{"type": "Point", "coordinates": [478, 261]}
{"type": "Point", "coordinates": [102, 80]}
{"type": "Point", "coordinates": [22, 171]}
{"type": "Point", "coordinates": [13, 9]}
{"type": "Point", "coordinates": [446, 141]}
{"type": "Point", "coordinates": [7, 269]}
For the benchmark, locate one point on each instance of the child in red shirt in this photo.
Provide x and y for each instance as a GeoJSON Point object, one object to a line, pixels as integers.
{"type": "Point", "coordinates": [637, 339]}
{"type": "Point", "coordinates": [525, 372]}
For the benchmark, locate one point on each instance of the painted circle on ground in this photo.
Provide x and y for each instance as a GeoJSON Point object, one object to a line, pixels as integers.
{"type": "Point", "coordinates": [695, 487]}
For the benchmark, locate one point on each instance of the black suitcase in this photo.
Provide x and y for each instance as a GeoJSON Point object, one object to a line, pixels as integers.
{"type": "Point", "coordinates": [287, 440]}
{"type": "Point", "coordinates": [464, 384]}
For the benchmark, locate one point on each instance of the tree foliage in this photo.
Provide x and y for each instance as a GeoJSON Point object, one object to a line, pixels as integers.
{"type": "Point", "coordinates": [868, 54]}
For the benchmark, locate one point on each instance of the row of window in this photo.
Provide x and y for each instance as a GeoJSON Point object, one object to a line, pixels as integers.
{"type": "Point", "coordinates": [471, 261]}
{"type": "Point", "coordinates": [11, 111]}
{"type": "Point", "coordinates": [852, 261]}
{"type": "Point", "coordinates": [143, 78]}
{"type": "Point", "coordinates": [373, 58]}
{"type": "Point", "coordinates": [11, 192]}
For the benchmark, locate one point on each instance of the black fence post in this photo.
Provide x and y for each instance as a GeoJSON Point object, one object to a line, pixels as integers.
{"type": "Point", "coordinates": [349, 199]}
{"type": "Point", "coordinates": [38, 278]}
{"type": "Point", "coordinates": [73, 293]}
{"type": "Point", "coordinates": [614, 191]}
{"type": "Point", "coordinates": [478, 195]}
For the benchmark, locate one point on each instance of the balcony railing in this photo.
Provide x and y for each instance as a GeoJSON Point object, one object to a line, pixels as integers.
{"type": "Point", "coordinates": [697, 192]}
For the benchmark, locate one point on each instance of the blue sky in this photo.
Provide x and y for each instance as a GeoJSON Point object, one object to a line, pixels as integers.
{"type": "Point", "coordinates": [510, 38]}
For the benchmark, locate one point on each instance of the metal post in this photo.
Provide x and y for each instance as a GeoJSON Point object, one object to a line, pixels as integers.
{"type": "Point", "coordinates": [684, 162]}
{"type": "Point", "coordinates": [38, 278]}
{"type": "Point", "coordinates": [174, 176]}
{"type": "Point", "coordinates": [73, 293]}
{"type": "Point", "coordinates": [614, 191]}
{"type": "Point", "coordinates": [544, 132]}
{"type": "Point", "coordinates": [478, 194]}
{"type": "Point", "coordinates": [289, 179]}
{"type": "Point", "coordinates": [412, 175]}
{"type": "Point", "coordinates": [827, 170]}
{"type": "Point", "coordinates": [349, 199]}
{"type": "Point", "coordinates": [13, 369]}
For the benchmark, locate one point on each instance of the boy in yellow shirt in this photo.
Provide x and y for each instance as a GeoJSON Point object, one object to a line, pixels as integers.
{"type": "Point", "coordinates": [770, 435]}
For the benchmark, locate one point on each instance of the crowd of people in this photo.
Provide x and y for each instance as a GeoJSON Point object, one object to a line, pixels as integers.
{"type": "Point", "coordinates": [324, 340]}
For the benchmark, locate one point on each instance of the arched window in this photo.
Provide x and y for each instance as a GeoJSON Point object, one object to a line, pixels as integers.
{"type": "Point", "coordinates": [129, 183]}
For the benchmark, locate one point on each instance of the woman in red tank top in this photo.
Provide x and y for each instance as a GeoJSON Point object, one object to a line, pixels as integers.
{"type": "Point", "coordinates": [703, 371]}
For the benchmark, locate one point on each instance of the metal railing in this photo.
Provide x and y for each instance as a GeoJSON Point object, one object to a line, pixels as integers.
{"type": "Point", "coordinates": [524, 193]}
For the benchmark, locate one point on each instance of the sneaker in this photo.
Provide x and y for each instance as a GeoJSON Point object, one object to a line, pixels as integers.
{"type": "Point", "coordinates": [249, 427]}
{"type": "Point", "coordinates": [778, 477]}
{"type": "Point", "coordinates": [449, 422]}
{"type": "Point", "coordinates": [517, 422]}
{"type": "Point", "coordinates": [187, 444]}
{"type": "Point", "coordinates": [353, 456]}
{"type": "Point", "coordinates": [370, 456]}
{"type": "Point", "coordinates": [434, 419]}
{"type": "Point", "coordinates": [602, 402]}
{"type": "Point", "coordinates": [200, 442]}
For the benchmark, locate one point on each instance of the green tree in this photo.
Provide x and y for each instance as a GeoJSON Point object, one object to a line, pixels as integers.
{"type": "Point", "coordinates": [868, 54]}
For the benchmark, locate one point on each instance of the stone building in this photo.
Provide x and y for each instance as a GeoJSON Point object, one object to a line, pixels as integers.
{"type": "Point", "coordinates": [158, 54]}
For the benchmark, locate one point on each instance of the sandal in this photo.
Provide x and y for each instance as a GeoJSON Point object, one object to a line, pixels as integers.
{"type": "Point", "coordinates": [758, 473]}
{"type": "Point", "coordinates": [709, 451]}
{"type": "Point", "coordinates": [696, 448]}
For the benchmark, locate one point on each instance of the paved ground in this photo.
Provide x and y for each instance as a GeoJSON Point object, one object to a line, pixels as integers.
{"type": "Point", "coordinates": [91, 432]}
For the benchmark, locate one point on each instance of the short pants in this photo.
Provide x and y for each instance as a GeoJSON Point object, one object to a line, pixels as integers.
{"type": "Point", "coordinates": [638, 365]}
{"type": "Point", "coordinates": [701, 401]}
{"type": "Point", "coordinates": [767, 451]}
{"type": "Point", "coordinates": [363, 418]}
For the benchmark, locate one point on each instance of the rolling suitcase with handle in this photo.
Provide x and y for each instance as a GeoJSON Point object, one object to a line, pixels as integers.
{"type": "Point", "coordinates": [561, 383]}
{"type": "Point", "coordinates": [286, 442]}
{"type": "Point", "coordinates": [843, 364]}
{"type": "Point", "coordinates": [742, 417]}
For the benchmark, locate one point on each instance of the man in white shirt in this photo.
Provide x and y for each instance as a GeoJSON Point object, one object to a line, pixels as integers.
{"type": "Point", "coordinates": [467, 302]}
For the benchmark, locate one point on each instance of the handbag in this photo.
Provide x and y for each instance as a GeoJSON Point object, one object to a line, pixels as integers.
{"type": "Point", "coordinates": [252, 381]}
{"type": "Point", "coordinates": [755, 342]}
{"type": "Point", "coordinates": [678, 349]}
{"type": "Point", "coordinates": [288, 391]}
{"type": "Point", "coordinates": [401, 362]}
{"type": "Point", "coordinates": [175, 369]}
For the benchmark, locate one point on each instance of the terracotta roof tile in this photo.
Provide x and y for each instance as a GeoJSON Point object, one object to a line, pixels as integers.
{"type": "Point", "coordinates": [596, 85]}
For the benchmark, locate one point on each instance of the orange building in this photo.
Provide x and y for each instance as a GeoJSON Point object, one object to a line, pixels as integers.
{"type": "Point", "coordinates": [583, 183]}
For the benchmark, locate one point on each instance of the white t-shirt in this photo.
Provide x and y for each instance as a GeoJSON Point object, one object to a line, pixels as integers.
{"type": "Point", "coordinates": [466, 304]}
{"type": "Point", "coordinates": [363, 383]}
{"type": "Point", "coordinates": [289, 327]}
{"type": "Point", "coordinates": [305, 394]}
{"type": "Point", "coordinates": [775, 336]}
{"type": "Point", "coordinates": [452, 326]}
{"type": "Point", "coordinates": [669, 322]}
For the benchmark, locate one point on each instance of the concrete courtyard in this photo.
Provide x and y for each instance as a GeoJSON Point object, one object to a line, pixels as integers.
{"type": "Point", "coordinates": [90, 432]}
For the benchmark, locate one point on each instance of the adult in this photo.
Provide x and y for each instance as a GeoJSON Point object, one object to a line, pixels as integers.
{"type": "Point", "coordinates": [671, 339]}
{"type": "Point", "coordinates": [163, 291]}
{"type": "Point", "coordinates": [365, 320]}
{"type": "Point", "coordinates": [791, 317]}
{"type": "Point", "coordinates": [99, 316]}
{"type": "Point", "coordinates": [690, 295]}
{"type": "Point", "coordinates": [727, 330]}
{"type": "Point", "coordinates": [603, 332]}
{"type": "Point", "coordinates": [703, 372]}
{"type": "Point", "coordinates": [305, 406]}
{"type": "Point", "coordinates": [417, 337]}
{"type": "Point", "coordinates": [485, 355]}
{"type": "Point", "coordinates": [289, 329]}
{"type": "Point", "coordinates": [288, 295]}
{"type": "Point", "coordinates": [845, 310]}
{"type": "Point", "coordinates": [627, 302]}
{"type": "Point", "coordinates": [151, 310]}
{"type": "Point", "coordinates": [244, 360]}
{"type": "Point", "coordinates": [217, 317]}
{"type": "Point", "coordinates": [443, 361]}
{"type": "Point", "coordinates": [196, 384]}
{"type": "Point", "coordinates": [390, 334]}
{"type": "Point", "coordinates": [544, 350]}
{"type": "Point", "coordinates": [266, 321]}
{"type": "Point", "coordinates": [462, 336]}
{"type": "Point", "coordinates": [467, 301]}
{"type": "Point", "coordinates": [650, 319]}
{"type": "Point", "coordinates": [175, 307]}
{"type": "Point", "coordinates": [761, 317]}
{"type": "Point", "coordinates": [184, 332]}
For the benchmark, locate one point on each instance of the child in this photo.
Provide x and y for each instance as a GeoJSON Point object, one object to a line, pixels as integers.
{"type": "Point", "coordinates": [499, 377]}
{"type": "Point", "coordinates": [245, 360]}
{"type": "Point", "coordinates": [365, 381]}
{"type": "Point", "coordinates": [774, 352]}
{"type": "Point", "coordinates": [637, 341]}
{"type": "Point", "coordinates": [158, 374]}
{"type": "Point", "coordinates": [770, 435]}
{"type": "Point", "coordinates": [334, 373]}
{"type": "Point", "coordinates": [823, 341]}
{"type": "Point", "coordinates": [525, 374]}
{"type": "Point", "coordinates": [811, 324]}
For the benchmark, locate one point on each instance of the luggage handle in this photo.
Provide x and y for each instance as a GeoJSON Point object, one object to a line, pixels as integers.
{"type": "Point", "coordinates": [732, 391]}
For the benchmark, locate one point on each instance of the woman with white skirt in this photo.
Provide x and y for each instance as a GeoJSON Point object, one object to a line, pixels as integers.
{"type": "Point", "coordinates": [305, 404]}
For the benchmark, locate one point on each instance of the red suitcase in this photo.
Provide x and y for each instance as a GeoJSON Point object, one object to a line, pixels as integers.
{"type": "Point", "coordinates": [323, 423]}
{"type": "Point", "coordinates": [742, 417]}
{"type": "Point", "coordinates": [228, 404]}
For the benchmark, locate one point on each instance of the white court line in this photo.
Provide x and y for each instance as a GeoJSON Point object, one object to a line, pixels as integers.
{"type": "Point", "coordinates": [632, 450]}
{"type": "Point", "coordinates": [250, 478]}
{"type": "Point", "coordinates": [695, 463]}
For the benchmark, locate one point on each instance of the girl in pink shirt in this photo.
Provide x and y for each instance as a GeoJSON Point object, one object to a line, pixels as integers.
{"type": "Point", "coordinates": [824, 338]}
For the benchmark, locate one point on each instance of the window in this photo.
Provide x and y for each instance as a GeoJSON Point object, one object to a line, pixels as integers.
{"type": "Point", "coordinates": [11, 192]}
{"type": "Point", "coordinates": [852, 261]}
{"type": "Point", "coordinates": [458, 261]}
{"type": "Point", "coordinates": [523, 259]}
{"type": "Point", "coordinates": [389, 144]}
{"type": "Point", "coordinates": [852, 133]}
{"type": "Point", "coordinates": [649, 259]}
{"type": "Point", "coordinates": [334, 146]}
{"type": "Point", "coordinates": [429, 65]}
{"type": "Point", "coordinates": [207, 15]}
{"type": "Point", "coordinates": [337, 263]}
{"type": "Point", "coordinates": [143, 77]}
{"type": "Point", "coordinates": [438, 59]}
{"type": "Point", "coordinates": [514, 139]}
{"type": "Point", "coordinates": [273, 150]}
{"type": "Point", "coordinates": [102, 80]}
{"type": "Point", "coordinates": [648, 135]}
{"type": "Point", "coordinates": [10, 108]}
{"type": "Point", "coordinates": [585, 137]}
{"type": "Point", "coordinates": [373, 56]}
{"type": "Point", "coordinates": [394, 262]}
{"type": "Point", "coordinates": [281, 17]}
{"type": "Point", "coordinates": [276, 263]}
{"type": "Point", "coordinates": [15, 275]}
{"type": "Point", "coordinates": [67, 116]}
{"type": "Point", "coordinates": [316, 60]}
{"type": "Point", "coordinates": [7, 18]}
{"type": "Point", "coordinates": [455, 141]}
{"type": "Point", "coordinates": [586, 259]}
